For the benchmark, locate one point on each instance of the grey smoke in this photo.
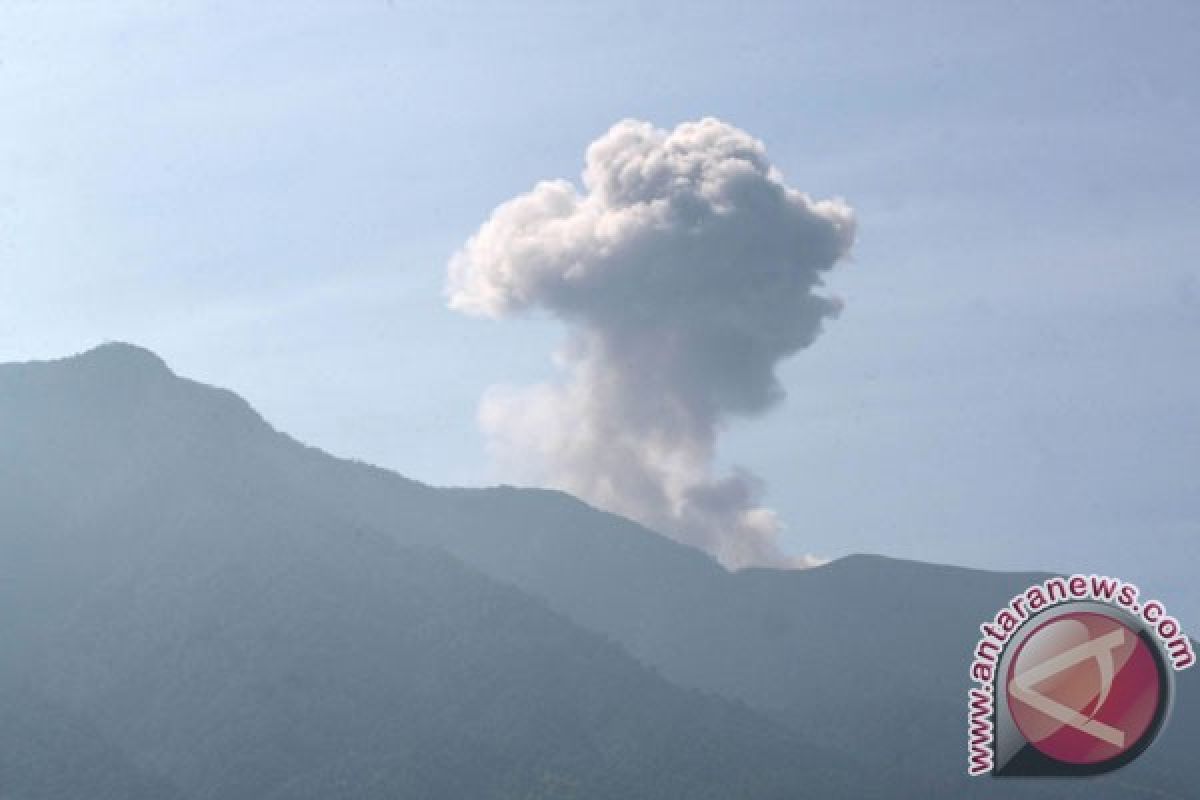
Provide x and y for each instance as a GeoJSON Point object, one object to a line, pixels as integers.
{"type": "Point", "coordinates": [684, 271]}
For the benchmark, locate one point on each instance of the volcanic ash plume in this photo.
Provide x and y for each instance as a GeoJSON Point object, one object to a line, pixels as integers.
{"type": "Point", "coordinates": [684, 272]}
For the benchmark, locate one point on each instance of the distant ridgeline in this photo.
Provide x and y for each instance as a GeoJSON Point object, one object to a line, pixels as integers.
{"type": "Point", "coordinates": [196, 606]}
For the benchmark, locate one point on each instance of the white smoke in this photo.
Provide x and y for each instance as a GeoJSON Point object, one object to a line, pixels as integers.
{"type": "Point", "coordinates": [685, 271]}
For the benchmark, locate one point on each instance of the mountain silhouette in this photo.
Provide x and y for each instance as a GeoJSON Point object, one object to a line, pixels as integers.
{"type": "Point", "coordinates": [198, 606]}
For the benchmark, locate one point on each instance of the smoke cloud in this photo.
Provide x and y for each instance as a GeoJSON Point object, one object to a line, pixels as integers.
{"type": "Point", "coordinates": [685, 271]}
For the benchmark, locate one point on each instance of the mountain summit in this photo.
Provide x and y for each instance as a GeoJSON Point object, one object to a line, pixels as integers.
{"type": "Point", "coordinates": [204, 608]}
{"type": "Point", "coordinates": [122, 358]}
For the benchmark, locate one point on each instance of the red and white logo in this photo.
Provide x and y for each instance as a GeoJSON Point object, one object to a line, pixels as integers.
{"type": "Point", "coordinates": [1084, 688]}
{"type": "Point", "coordinates": [1072, 678]}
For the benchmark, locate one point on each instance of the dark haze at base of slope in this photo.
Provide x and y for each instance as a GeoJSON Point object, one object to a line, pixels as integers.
{"type": "Point", "coordinates": [47, 753]}
{"type": "Point", "coordinates": [170, 583]}
{"type": "Point", "coordinates": [868, 655]}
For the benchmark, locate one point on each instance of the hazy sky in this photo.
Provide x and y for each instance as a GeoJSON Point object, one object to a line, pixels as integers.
{"type": "Point", "coordinates": [267, 194]}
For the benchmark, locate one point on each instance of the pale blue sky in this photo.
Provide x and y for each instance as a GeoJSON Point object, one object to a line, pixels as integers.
{"type": "Point", "coordinates": [267, 195]}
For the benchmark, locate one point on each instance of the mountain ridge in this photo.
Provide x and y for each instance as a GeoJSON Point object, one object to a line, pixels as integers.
{"type": "Point", "coordinates": [867, 653]}
{"type": "Point", "coordinates": [230, 633]}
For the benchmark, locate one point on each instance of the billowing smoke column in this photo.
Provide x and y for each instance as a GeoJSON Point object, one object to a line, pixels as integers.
{"type": "Point", "coordinates": [685, 271]}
